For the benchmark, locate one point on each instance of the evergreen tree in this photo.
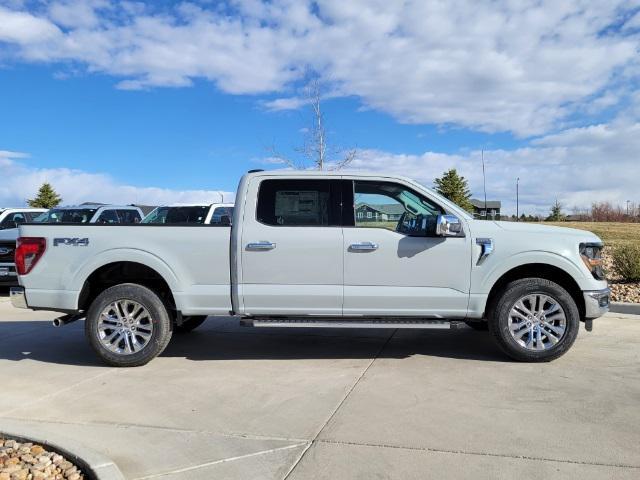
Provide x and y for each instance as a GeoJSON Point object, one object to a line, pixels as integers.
{"type": "Point", "coordinates": [46, 198]}
{"type": "Point", "coordinates": [455, 188]}
{"type": "Point", "coordinates": [556, 213]}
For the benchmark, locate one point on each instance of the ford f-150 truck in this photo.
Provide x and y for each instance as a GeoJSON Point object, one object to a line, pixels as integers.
{"type": "Point", "coordinates": [326, 249]}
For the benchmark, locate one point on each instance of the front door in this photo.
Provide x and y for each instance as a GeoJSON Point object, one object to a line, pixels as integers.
{"type": "Point", "coordinates": [292, 262]}
{"type": "Point", "coordinates": [390, 273]}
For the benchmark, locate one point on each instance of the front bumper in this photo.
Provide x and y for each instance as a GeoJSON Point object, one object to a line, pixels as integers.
{"type": "Point", "coordinates": [596, 303]}
{"type": "Point", "coordinates": [18, 297]}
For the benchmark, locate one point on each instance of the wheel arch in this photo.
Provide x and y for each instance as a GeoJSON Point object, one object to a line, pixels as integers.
{"type": "Point", "coordinates": [117, 272]}
{"type": "Point", "coordinates": [538, 270]}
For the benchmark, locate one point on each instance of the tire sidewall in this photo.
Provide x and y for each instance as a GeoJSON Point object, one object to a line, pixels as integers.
{"type": "Point", "coordinates": [499, 319]}
{"type": "Point", "coordinates": [162, 325]}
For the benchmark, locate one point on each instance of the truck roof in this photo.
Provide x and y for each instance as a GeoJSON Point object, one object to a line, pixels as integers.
{"type": "Point", "coordinates": [93, 206]}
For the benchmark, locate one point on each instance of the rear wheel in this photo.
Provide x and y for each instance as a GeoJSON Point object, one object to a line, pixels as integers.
{"type": "Point", "coordinates": [189, 323]}
{"type": "Point", "coordinates": [128, 325]}
{"type": "Point", "coordinates": [534, 320]}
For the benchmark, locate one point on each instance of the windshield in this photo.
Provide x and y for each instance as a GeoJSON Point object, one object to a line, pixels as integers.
{"type": "Point", "coordinates": [187, 214]}
{"type": "Point", "coordinates": [67, 215]}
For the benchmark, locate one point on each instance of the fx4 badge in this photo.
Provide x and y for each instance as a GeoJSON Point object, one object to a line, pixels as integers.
{"type": "Point", "coordinates": [74, 242]}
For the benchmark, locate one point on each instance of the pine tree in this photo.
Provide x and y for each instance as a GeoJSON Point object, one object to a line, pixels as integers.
{"type": "Point", "coordinates": [46, 198]}
{"type": "Point", "coordinates": [556, 213]}
{"type": "Point", "coordinates": [455, 188]}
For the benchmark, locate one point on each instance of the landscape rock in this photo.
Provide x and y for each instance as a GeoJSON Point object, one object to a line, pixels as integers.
{"type": "Point", "coordinates": [26, 461]}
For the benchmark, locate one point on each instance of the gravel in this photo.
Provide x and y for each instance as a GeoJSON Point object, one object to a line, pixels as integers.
{"type": "Point", "coordinates": [29, 461]}
{"type": "Point", "coordinates": [621, 291]}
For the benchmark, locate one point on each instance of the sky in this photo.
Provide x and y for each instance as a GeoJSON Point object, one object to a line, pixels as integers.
{"type": "Point", "coordinates": [162, 102]}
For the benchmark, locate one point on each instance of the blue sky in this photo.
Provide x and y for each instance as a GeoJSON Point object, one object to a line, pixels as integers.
{"type": "Point", "coordinates": [123, 102]}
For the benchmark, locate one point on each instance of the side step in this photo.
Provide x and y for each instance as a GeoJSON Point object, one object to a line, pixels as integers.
{"type": "Point", "coordinates": [356, 323]}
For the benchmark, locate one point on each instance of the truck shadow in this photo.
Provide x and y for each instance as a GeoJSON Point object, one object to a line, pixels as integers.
{"type": "Point", "coordinates": [217, 340]}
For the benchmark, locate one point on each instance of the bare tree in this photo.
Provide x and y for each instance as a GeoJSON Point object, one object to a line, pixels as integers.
{"type": "Point", "coordinates": [315, 152]}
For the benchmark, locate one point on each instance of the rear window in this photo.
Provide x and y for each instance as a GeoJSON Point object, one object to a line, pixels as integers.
{"type": "Point", "coordinates": [187, 214]}
{"type": "Point", "coordinates": [68, 215]}
{"type": "Point", "coordinates": [298, 203]}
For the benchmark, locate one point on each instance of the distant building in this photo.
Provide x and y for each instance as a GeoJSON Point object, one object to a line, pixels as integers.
{"type": "Point", "coordinates": [490, 212]}
{"type": "Point", "coordinates": [390, 212]}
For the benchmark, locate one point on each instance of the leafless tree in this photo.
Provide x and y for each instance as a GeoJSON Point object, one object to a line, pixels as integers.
{"type": "Point", "coordinates": [315, 152]}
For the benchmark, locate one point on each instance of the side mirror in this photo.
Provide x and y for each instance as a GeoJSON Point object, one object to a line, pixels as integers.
{"type": "Point", "coordinates": [448, 226]}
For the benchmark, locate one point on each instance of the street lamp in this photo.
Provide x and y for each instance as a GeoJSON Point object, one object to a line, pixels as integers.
{"type": "Point", "coordinates": [518, 199]}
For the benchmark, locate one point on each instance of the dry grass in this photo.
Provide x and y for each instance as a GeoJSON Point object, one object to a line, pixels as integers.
{"type": "Point", "coordinates": [612, 233]}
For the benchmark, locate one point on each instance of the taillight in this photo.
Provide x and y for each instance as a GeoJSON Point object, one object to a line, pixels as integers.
{"type": "Point", "coordinates": [28, 251]}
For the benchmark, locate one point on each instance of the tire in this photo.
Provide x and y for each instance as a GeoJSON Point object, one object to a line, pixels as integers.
{"type": "Point", "coordinates": [481, 325]}
{"type": "Point", "coordinates": [134, 337]}
{"type": "Point", "coordinates": [189, 324]}
{"type": "Point", "coordinates": [538, 341]}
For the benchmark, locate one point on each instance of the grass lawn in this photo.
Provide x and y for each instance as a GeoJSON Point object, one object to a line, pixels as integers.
{"type": "Point", "coordinates": [612, 233]}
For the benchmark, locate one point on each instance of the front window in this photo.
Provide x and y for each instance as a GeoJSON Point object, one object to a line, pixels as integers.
{"type": "Point", "coordinates": [67, 215]}
{"type": "Point", "coordinates": [219, 213]}
{"type": "Point", "coordinates": [393, 207]}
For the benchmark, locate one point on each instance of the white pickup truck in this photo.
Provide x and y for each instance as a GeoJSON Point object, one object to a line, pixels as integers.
{"type": "Point", "coordinates": [325, 249]}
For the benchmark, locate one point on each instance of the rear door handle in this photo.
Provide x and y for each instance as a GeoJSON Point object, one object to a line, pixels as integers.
{"type": "Point", "coordinates": [363, 246]}
{"type": "Point", "coordinates": [261, 245]}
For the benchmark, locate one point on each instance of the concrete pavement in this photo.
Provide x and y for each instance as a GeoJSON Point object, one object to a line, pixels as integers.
{"type": "Point", "coordinates": [232, 402]}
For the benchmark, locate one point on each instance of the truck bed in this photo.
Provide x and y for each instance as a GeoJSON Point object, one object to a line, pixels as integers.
{"type": "Point", "coordinates": [197, 255]}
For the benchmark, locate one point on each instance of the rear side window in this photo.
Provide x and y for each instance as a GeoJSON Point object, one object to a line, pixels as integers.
{"type": "Point", "coordinates": [108, 216]}
{"type": "Point", "coordinates": [129, 216]}
{"type": "Point", "coordinates": [299, 203]}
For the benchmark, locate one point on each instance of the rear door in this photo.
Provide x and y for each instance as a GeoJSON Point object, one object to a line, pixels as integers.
{"type": "Point", "coordinates": [291, 247]}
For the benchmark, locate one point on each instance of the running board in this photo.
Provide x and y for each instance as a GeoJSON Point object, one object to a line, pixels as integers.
{"type": "Point", "coordinates": [356, 323]}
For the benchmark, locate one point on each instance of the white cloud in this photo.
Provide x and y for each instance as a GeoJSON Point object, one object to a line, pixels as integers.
{"type": "Point", "coordinates": [523, 67]}
{"type": "Point", "coordinates": [578, 166]}
{"type": "Point", "coordinates": [20, 182]}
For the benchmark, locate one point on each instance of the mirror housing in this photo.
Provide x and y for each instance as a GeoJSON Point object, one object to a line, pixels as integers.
{"type": "Point", "coordinates": [448, 226]}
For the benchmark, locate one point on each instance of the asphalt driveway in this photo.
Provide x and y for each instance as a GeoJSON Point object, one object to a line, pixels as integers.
{"type": "Point", "coordinates": [232, 402]}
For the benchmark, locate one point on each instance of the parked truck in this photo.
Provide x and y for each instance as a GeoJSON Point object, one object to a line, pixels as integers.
{"type": "Point", "coordinates": [297, 255]}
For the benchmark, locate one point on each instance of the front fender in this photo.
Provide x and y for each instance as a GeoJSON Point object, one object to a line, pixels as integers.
{"type": "Point", "coordinates": [483, 279]}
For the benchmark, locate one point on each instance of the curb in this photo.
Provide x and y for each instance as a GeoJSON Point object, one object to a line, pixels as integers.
{"type": "Point", "coordinates": [96, 465]}
{"type": "Point", "coordinates": [623, 307]}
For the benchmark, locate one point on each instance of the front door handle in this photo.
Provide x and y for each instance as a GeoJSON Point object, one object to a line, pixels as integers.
{"type": "Point", "coordinates": [261, 245]}
{"type": "Point", "coordinates": [363, 246]}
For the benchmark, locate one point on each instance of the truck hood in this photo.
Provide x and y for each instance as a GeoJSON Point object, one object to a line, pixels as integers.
{"type": "Point", "coordinates": [532, 228]}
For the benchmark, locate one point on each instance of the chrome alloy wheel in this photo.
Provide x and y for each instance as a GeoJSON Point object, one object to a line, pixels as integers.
{"type": "Point", "coordinates": [125, 327]}
{"type": "Point", "coordinates": [537, 322]}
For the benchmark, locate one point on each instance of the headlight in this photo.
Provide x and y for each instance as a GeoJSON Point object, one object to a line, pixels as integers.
{"type": "Point", "coordinates": [591, 254]}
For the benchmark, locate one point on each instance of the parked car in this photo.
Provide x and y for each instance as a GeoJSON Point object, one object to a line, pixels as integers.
{"type": "Point", "coordinates": [206, 214]}
{"type": "Point", "coordinates": [296, 255]}
{"type": "Point", "coordinates": [10, 218]}
{"type": "Point", "coordinates": [92, 213]}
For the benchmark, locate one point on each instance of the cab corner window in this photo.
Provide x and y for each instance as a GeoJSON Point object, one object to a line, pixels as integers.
{"type": "Point", "coordinates": [298, 203]}
{"type": "Point", "coordinates": [394, 207]}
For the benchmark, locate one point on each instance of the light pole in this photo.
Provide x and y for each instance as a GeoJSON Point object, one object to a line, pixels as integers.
{"type": "Point", "coordinates": [518, 199]}
{"type": "Point", "coordinates": [221, 197]}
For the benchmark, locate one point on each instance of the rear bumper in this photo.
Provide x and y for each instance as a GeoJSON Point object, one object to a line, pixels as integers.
{"type": "Point", "coordinates": [18, 297]}
{"type": "Point", "coordinates": [8, 274]}
{"type": "Point", "coordinates": [596, 302]}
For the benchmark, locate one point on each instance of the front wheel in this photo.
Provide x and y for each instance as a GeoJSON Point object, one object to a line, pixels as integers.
{"type": "Point", "coordinates": [534, 320]}
{"type": "Point", "coordinates": [128, 325]}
